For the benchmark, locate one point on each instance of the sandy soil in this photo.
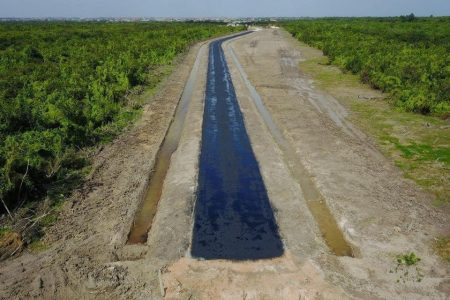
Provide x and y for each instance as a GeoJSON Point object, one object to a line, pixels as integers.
{"type": "Point", "coordinates": [379, 212]}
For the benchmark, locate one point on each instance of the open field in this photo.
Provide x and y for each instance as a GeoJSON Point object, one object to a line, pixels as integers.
{"type": "Point", "coordinates": [311, 151]}
{"type": "Point", "coordinates": [194, 161]}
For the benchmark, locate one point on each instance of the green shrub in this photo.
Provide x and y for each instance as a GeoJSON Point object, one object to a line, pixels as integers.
{"type": "Point", "coordinates": [409, 259]}
{"type": "Point", "coordinates": [63, 87]}
{"type": "Point", "coordinates": [408, 56]}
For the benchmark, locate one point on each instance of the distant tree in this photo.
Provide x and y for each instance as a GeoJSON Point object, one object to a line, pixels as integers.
{"type": "Point", "coordinates": [408, 18]}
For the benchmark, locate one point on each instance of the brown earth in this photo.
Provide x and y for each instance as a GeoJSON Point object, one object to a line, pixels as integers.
{"type": "Point", "coordinates": [379, 212]}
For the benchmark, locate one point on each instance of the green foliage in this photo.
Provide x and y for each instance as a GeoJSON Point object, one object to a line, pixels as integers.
{"type": "Point", "coordinates": [49, 220]}
{"type": "Point", "coordinates": [4, 230]}
{"type": "Point", "coordinates": [420, 152]}
{"type": "Point", "coordinates": [425, 152]}
{"type": "Point", "coordinates": [408, 57]}
{"type": "Point", "coordinates": [409, 18]}
{"type": "Point", "coordinates": [404, 267]}
{"type": "Point", "coordinates": [408, 259]}
{"type": "Point", "coordinates": [63, 87]}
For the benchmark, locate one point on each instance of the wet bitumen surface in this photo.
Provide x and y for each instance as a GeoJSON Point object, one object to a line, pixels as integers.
{"type": "Point", "coordinates": [233, 216]}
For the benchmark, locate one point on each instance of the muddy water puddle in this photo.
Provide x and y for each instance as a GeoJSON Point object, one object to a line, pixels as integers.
{"type": "Point", "coordinates": [147, 210]}
{"type": "Point", "coordinates": [233, 216]}
{"type": "Point", "coordinates": [331, 233]}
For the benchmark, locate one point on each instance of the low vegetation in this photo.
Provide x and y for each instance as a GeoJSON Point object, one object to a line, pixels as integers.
{"type": "Point", "coordinates": [68, 86]}
{"type": "Point", "coordinates": [407, 268]}
{"type": "Point", "coordinates": [408, 259]}
{"type": "Point", "coordinates": [418, 144]}
{"type": "Point", "coordinates": [442, 246]}
{"type": "Point", "coordinates": [407, 57]}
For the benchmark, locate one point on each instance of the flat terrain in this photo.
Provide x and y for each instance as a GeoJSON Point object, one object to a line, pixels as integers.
{"type": "Point", "coordinates": [378, 212]}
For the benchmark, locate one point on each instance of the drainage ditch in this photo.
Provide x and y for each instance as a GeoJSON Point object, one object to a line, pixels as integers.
{"type": "Point", "coordinates": [233, 218]}
{"type": "Point", "coordinates": [147, 209]}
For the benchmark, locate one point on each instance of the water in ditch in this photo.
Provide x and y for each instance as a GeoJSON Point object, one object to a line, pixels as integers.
{"type": "Point", "coordinates": [233, 218]}
{"type": "Point", "coordinates": [147, 210]}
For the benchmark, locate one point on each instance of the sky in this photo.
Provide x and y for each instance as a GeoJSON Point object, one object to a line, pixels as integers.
{"type": "Point", "coordinates": [219, 8]}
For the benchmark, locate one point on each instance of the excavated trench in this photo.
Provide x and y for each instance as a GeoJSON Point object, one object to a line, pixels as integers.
{"type": "Point", "coordinates": [147, 209]}
{"type": "Point", "coordinates": [233, 216]}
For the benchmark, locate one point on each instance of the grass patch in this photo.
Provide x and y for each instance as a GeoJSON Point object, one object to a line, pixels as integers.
{"type": "Point", "coordinates": [425, 152]}
{"type": "Point", "coordinates": [409, 259]}
{"type": "Point", "coordinates": [49, 220]}
{"type": "Point", "coordinates": [407, 268]}
{"type": "Point", "coordinates": [37, 246]}
{"type": "Point", "coordinates": [442, 246]}
{"type": "Point", "coordinates": [4, 230]}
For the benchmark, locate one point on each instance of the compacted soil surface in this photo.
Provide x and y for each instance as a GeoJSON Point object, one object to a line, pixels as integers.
{"type": "Point", "coordinates": [320, 174]}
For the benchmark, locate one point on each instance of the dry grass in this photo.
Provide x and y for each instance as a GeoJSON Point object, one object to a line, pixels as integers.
{"type": "Point", "coordinates": [10, 244]}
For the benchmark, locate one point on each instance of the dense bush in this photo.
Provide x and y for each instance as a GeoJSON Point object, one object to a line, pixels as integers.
{"type": "Point", "coordinates": [408, 57]}
{"type": "Point", "coordinates": [63, 87]}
